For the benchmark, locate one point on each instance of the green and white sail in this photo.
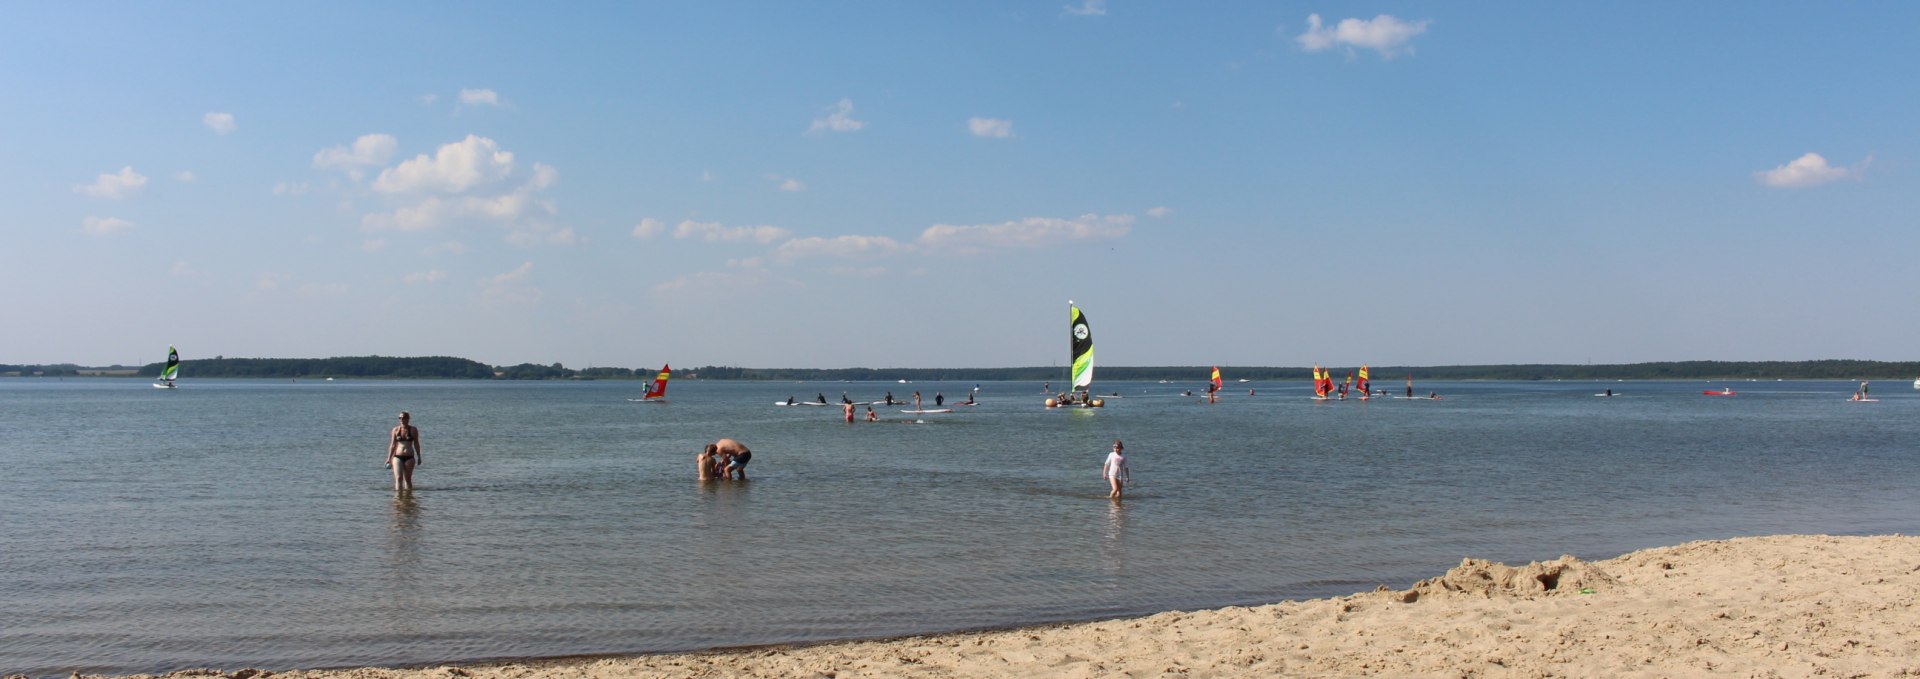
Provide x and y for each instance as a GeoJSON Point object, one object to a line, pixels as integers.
{"type": "Point", "coordinates": [1082, 349]}
{"type": "Point", "coordinates": [172, 371]}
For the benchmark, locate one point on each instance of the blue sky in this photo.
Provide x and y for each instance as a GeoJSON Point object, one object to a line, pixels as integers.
{"type": "Point", "coordinates": [889, 184]}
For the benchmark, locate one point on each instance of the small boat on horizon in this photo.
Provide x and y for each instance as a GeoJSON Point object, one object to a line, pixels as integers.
{"type": "Point", "coordinates": [1728, 391]}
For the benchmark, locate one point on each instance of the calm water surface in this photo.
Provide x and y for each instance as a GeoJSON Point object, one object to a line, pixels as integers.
{"type": "Point", "coordinates": [250, 523]}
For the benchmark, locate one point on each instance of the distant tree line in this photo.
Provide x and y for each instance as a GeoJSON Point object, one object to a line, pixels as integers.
{"type": "Point", "coordinates": [447, 367]}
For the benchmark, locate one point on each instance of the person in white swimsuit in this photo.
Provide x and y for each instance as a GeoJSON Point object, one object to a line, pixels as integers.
{"type": "Point", "coordinates": [1115, 470]}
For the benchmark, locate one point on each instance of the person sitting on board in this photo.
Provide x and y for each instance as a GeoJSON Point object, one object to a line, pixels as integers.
{"type": "Point", "coordinates": [1433, 396]}
{"type": "Point", "coordinates": [822, 396]}
{"type": "Point", "coordinates": [737, 457]}
{"type": "Point", "coordinates": [790, 400]}
{"type": "Point", "coordinates": [969, 398]}
{"type": "Point", "coordinates": [844, 399]}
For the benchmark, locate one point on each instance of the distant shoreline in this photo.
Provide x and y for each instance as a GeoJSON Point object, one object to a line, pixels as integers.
{"type": "Point", "coordinates": [443, 367]}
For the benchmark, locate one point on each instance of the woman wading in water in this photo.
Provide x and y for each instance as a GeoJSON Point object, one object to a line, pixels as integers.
{"type": "Point", "coordinates": [404, 452]}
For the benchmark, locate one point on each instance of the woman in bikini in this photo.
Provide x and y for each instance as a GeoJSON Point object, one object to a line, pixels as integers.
{"type": "Point", "coordinates": [404, 452]}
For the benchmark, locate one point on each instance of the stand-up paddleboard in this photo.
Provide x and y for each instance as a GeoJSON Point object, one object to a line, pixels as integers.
{"type": "Point", "coordinates": [1606, 394]}
{"type": "Point", "coordinates": [802, 403]}
{"type": "Point", "coordinates": [1864, 400]}
{"type": "Point", "coordinates": [927, 412]}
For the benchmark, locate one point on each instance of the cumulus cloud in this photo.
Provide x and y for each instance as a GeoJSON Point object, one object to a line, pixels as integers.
{"type": "Point", "coordinates": [715, 232]}
{"type": "Point", "coordinates": [427, 277]}
{"type": "Point", "coordinates": [454, 168]}
{"type": "Point", "coordinates": [1384, 34]}
{"type": "Point", "coordinates": [510, 288]}
{"type": "Point", "coordinates": [219, 122]}
{"type": "Point", "coordinates": [114, 186]}
{"type": "Point", "coordinates": [322, 290]}
{"type": "Point", "coordinates": [480, 97]}
{"type": "Point", "coordinates": [1032, 232]}
{"type": "Point", "coordinates": [373, 245]}
{"type": "Point", "coordinates": [847, 247]}
{"type": "Point", "coordinates": [649, 228]}
{"type": "Point", "coordinates": [291, 189]}
{"type": "Point", "coordinates": [429, 98]}
{"type": "Point", "coordinates": [368, 151]}
{"type": "Point", "coordinates": [185, 176]}
{"type": "Point", "coordinates": [184, 270]}
{"type": "Point", "coordinates": [790, 184]}
{"type": "Point", "coordinates": [1096, 8]}
{"type": "Point", "coordinates": [990, 128]}
{"type": "Point", "coordinates": [104, 226]}
{"type": "Point", "coordinates": [1158, 212]}
{"type": "Point", "coordinates": [528, 235]}
{"type": "Point", "coordinates": [1809, 170]}
{"type": "Point", "coordinates": [451, 247]}
{"type": "Point", "coordinates": [839, 118]}
{"type": "Point", "coordinates": [716, 283]}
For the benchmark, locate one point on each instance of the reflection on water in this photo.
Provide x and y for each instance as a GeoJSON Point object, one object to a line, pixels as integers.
{"type": "Point", "coordinates": [558, 520]}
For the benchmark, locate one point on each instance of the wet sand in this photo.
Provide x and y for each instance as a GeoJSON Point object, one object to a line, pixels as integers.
{"type": "Point", "coordinates": [1787, 606]}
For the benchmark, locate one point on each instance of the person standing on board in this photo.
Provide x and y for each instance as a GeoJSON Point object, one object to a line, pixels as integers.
{"type": "Point", "coordinates": [404, 452]}
{"type": "Point", "coordinates": [737, 456]}
{"type": "Point", "coordinates": [1115, 470]}
{"type": "Point", "coordinates": [916, 400]}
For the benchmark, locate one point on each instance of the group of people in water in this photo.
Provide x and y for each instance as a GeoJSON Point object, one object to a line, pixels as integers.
{"type": "Point", "coordinates": [723, 460]}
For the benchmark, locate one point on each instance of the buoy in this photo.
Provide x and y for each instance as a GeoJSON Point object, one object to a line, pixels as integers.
{"type": "Point", "coordinates": [1051, 403]}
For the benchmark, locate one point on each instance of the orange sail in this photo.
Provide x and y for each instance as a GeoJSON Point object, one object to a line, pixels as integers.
{"type": "Point", "coordinates": [1364, 388]}
{"type": "Point", "coordinates": [659, 387]}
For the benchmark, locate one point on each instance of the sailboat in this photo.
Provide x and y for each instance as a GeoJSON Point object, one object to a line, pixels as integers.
{"type": "Point", "coordinates": [657, 391]}
{"type": "Point", "coordinates": [1081, 354]}
{"type": "Point", "coordinates": [172, 371]}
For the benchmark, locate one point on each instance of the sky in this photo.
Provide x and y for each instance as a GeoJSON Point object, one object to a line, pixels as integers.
{"type": "Point", "coordinates": [888, 184]}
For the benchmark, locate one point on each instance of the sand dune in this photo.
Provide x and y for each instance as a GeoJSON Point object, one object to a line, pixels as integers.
{"type": "Point", "coordinates": [1787, 606]}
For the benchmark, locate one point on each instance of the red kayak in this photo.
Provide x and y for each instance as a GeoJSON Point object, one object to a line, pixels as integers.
{"type": "Point", "coordinates": [1728, 392]}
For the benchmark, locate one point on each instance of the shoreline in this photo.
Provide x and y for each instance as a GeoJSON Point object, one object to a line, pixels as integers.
{"type": "Point", "coordinates": [1792, 605]}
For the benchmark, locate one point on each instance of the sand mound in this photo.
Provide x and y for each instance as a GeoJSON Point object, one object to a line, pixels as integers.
{"type": "Point", "coordinates": [1486, 580]}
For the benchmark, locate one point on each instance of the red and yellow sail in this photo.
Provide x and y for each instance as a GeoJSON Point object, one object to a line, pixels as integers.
{"type": "Point", "coordinates": [659, 386]}
{"type": "Point", "coordinates": [1216, 378]}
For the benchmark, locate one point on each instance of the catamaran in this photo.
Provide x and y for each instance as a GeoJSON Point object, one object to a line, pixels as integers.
{"type": "Point", "coordinates": [1081, 374]}
{"type": "Point", "coordinates": [171, 372]}
{"type": "Point", "coordinates": [657, 391]}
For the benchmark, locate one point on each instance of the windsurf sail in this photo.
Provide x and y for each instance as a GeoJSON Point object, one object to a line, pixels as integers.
{"type": "Point", "coordinates": [172, 371]}
{"type": "Point", "coordinates": [1215, 386]}
{"type": "Point", "coordinates": [659, 387]}
{"type": "Point", "coordinates": [1082, 349]}
{"type": "Point", "coordinates": [1322, 381]}
{"type": "Point", "coordinates": [1364, 388]}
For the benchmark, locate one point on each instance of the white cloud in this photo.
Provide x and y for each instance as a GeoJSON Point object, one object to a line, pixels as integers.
{"type": "Point", "coordinates": [367, 151]}
{"type": "Point", "coordinates": [858, 271]}
{"type": "Point", "coordinates": [184, 270]}
{"type": "Point", "coordinates": [114, 186]}
{"type": "Point", "coordinates": [185, 176]}
{"type": "Point", "coordinates": [715, 283]}
{"type": "Point", "coordinates": [1809, 170]}
{"type": "Point", "coordinates": [791, 185]}
{"type": "Point", "coordinates": [219, 122]}
{"type": "Point", "coordinates": [429, 98]}
{"type": "Point", "coordinates": [424, 277]}
{"type": "Point", "coordinates": [480, 97]}
{"type": "Point", "coordinates": [1032, 232]}
{"type": "Point", "coordinates": [535, 234]}
{"type": "Point", "coordinates": [706, 175]}
{"type": "Point", "coordinates": [714, 232]}
{"type": "Point", "coordinates": [104, 226]}
{"type": "Point", "coordinates": [839, 119]}
{"type": "Point", "coordinates": [1384, 34]}
{"type": "Point", "coordinates": [291, 189]}
{"type": "Point", "coordinates": [374, 245]}
{"type": "Point", "coordinates": [990, 128]}
{"type": "Point", "coordinates": [451, 247]}
{"type": "Point", "coordinates": [1087, 8]}
{"type": "Point", "coordinates": [323, 290]}
{"type": "Point", "coordinates": [510, 288]}
{"type": "Point", "coordinates": [1158, 212]}
{"type": "Point", "coordinates": [648, 228]}
{"type": "Point", "coordinates": [846, 247]}
{"type": "Point", "coordinates": [454, 168]}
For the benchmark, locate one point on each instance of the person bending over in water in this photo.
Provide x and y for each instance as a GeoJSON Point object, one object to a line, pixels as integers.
{"type": "Point", "coordinates": [1115, 470]}
{"type": "Point", "coordinates": [737, 457]}
{"type": "Point", "coordinates": [404, 452]}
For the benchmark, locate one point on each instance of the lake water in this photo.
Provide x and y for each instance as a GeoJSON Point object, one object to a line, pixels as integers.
{"type": "Point", "coordinates": [236, 523]}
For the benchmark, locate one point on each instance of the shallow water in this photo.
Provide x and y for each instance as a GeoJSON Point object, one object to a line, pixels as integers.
{"type": "Point", "coordinates": [235, 523]}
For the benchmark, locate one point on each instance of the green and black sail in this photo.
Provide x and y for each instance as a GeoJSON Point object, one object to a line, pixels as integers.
{"type": "Point", "coordinates": [172, 371]}
{"type": "Point", "coordinates": [1082, 349]}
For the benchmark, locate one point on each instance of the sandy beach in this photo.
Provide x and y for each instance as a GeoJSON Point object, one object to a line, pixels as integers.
{"type": "Point", "coordinates": [1786, 606]}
